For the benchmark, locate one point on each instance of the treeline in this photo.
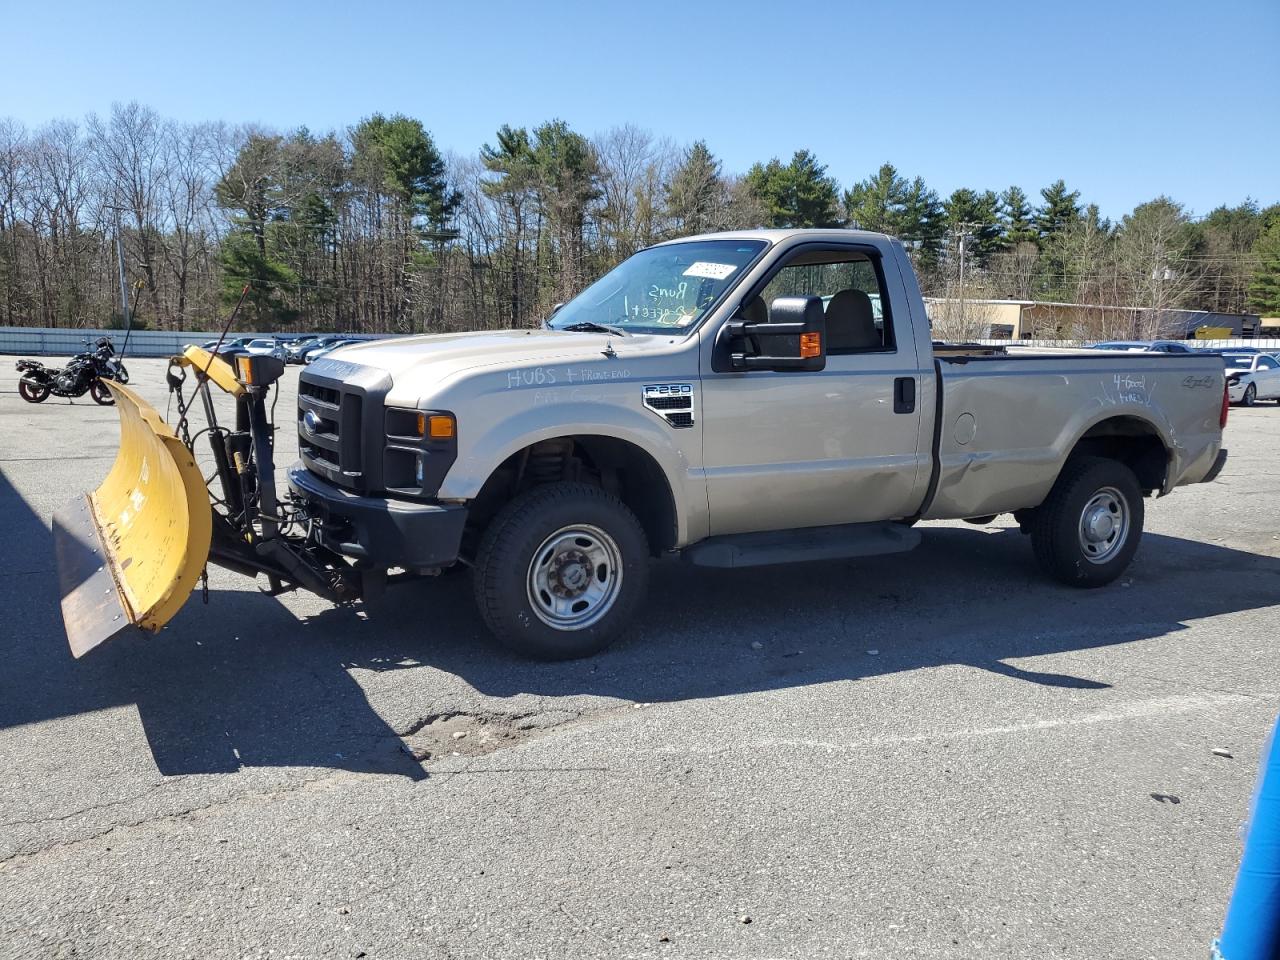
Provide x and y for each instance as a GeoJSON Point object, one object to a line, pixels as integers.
{"type": "Point", "coordinates": [375, 229]}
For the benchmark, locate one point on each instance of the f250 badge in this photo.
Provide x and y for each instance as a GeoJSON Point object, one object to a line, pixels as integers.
{"type": "Point", "coordinates": [673, 402]}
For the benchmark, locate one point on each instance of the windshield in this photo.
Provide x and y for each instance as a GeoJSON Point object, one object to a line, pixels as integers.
{"type": "Point", "coordinates": [661, 289]}
{"type": "Point", "coordinates": [1238, 359]}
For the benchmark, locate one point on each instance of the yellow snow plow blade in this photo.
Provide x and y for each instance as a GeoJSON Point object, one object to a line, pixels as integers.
{"type": "Point", "coordinates": [130, 552]}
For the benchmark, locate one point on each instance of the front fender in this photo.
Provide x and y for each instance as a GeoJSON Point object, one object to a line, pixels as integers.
{"type": "Point", "coordinates": [479, 456]}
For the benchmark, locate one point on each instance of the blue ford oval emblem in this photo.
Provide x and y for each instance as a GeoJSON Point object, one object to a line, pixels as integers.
{"type": "Point", "coordinates": [312, 421]}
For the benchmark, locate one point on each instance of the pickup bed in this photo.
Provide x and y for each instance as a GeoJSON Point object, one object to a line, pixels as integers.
{"type": "Point", "coordinates": [741, 398]}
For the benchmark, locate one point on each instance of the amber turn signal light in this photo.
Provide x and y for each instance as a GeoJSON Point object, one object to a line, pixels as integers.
{"type": "Point", "coordinates": [436, 426]}
{"type": "Point", "coordinates": [810, 345]}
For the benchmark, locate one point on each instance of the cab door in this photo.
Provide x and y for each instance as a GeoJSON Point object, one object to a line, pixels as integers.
{"type": "Point", "coordinates": [789, 449]}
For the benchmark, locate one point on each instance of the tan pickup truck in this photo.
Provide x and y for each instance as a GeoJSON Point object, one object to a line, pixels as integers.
{"type": "Point", "coordinates": [744, 398]}
{"type": "Point", "coordinates": [740, 398]}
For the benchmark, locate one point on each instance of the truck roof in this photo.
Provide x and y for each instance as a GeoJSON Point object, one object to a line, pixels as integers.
{"type": "Point", "coordinates": [776, 235]}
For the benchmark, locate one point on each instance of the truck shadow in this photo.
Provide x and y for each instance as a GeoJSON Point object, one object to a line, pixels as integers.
{"type": "Point", "coordinates": [244, 682]}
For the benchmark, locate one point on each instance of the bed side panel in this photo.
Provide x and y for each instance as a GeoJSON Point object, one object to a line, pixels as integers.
{"type": "Point", "coordinates": [1008, 425]}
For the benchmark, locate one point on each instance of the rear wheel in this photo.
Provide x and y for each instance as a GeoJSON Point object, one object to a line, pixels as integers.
{"type": "Point", "coordinates": [1087, 530]}
{"type": "Point", "coordinates": [560, 571]}
{"type": "Point", "coordinates": [32, 392]}
{"type": "Point", "coordinates": [101, 394]}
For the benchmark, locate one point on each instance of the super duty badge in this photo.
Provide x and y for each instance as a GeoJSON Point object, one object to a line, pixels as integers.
{"type": "Point", "coordinates": [673, 402]}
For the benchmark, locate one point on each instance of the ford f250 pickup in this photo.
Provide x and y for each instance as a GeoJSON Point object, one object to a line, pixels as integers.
{"type": "Point", "coordinates": [745, 398]}
{"type": "Point", "coordinates": [740, 398]}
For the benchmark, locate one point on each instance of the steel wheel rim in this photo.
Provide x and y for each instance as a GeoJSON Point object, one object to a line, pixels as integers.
{"type": "Point", "coordinates": [1104, 525]}
{"type": "Point", "coordinates": [575, 577]}
{"type": "Point", "coordinates": [1250, 394]}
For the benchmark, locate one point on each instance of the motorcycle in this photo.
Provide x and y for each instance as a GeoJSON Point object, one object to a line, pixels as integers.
{"type": "Point", "coordinates": [84, 373]}
{"type": "Point", "coordinates": [112, 366]}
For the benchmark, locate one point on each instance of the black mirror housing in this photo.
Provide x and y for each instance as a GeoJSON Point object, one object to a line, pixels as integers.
{"type": "Point", "coordinates": [794, 337]}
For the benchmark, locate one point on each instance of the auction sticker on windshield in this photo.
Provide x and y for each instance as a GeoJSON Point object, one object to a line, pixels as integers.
{"type": "Point", "coordinates": [710, 271]}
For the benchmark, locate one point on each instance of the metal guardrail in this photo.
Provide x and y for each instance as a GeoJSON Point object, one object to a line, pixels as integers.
{"type": "Point", "coordinates": [66, 341]}
{"type": "Point", "coordinates": [60, 342]}
{"type": "Point", "coordinates": [1264, 343]}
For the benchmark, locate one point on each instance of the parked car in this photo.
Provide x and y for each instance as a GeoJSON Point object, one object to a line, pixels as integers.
{"type": "Point", "coordinates": [1145, 346]}
{"type": "Point", "coordinates": [295, 350]}
{"type": "Point", "coordinates": [265, 347]}
{"type": "Point", "coordinates": [230, 346]}
{"type": "Point", "coordinates": [324, 346]}
{"type": "Point", "coordinates": [1251, 376]}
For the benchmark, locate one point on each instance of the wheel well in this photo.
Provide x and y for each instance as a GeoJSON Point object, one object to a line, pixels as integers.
{"type": "Point", "coordinates": [619, 466]}
{"type": "Point", "coordinates": [1132, 441]}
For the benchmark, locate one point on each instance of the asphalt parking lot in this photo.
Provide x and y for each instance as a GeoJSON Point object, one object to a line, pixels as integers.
{"type": "Point", "coordinates": [937, 754]}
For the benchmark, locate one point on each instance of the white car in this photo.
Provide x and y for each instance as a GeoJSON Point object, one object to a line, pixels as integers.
{"type": "Point", "coordinates": [1144, 346]}
{"type": "Point", "coordinates": [265, 348]}
{"type": "Point", "coordinates": [323, 347]}
{"type": "Point", "coordinates": [1252, 377]}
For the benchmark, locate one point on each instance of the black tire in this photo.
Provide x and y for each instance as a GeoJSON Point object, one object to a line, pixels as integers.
{"type": "Point", "coordinates": [541, 523]}
{"type": "Point", "coordinates": [1250, 395]}
{"type": "Point", "coordinates": [32, 392]}
{"type": "Point", "coordinates": [101, 394]}
{"type": "Point", "coordinates": [122, 375]}
{"type": "Point", "coordinates": [1061, 535]}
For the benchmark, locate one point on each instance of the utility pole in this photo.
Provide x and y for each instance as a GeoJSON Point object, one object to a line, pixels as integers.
{"type": "Point", "coordinates": [961, 233]}
{"type": "Point", "coordinates": [124, 289]}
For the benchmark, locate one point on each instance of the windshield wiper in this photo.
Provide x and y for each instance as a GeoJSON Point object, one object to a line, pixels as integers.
{"type": "Point", "coordinates": [590, 326]}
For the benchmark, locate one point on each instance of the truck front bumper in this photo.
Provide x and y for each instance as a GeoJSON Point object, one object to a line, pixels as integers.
{"type": "Point", "coordinates": [378, 530]}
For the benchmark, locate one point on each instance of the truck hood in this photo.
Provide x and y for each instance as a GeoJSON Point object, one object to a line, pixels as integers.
{"type": "Point", "coordinates": [443, 355]}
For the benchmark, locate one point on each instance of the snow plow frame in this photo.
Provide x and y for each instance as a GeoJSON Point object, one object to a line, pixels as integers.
{"type": "Point", "coordinates": [131, 552]}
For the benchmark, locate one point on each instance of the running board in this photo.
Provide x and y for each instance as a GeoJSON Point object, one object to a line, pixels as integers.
{"type": "Point", "coordinates": [810, 543]}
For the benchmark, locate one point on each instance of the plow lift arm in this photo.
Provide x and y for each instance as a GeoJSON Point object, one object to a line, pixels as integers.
{"type": "Point", "coordinates": [131, 552]}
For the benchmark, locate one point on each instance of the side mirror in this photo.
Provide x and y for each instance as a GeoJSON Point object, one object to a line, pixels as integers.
{"type": "Point", "coordinates": [793, 338]}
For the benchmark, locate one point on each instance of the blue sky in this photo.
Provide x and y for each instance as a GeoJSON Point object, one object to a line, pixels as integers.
{"type": "Point", "coordinates": [1125, 100]}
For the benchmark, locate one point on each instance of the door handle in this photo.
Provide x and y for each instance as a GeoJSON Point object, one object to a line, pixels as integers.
{"type": "Point", "coordinates": [904, 395]}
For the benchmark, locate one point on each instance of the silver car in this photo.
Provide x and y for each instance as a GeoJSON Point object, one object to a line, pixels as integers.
{"type": "Point", "coordinates": [266, 348]}
{"type": "Point", "coordinates": [1252, 377]}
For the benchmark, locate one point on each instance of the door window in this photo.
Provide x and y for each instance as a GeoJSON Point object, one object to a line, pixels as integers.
{"type": "Point", "coordinates": [1266, 363]}
{"type": "Point", "coordinates": [852, 295]}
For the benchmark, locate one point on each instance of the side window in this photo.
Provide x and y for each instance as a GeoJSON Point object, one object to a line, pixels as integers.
{"type": "Point", "coordinates": [1266, 363]}
{"type": "Point", "coordinates": [849, 285]}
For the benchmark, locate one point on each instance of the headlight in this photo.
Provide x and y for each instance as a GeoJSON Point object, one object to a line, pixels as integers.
{"type": "Point", "coordinates": [421, 446]}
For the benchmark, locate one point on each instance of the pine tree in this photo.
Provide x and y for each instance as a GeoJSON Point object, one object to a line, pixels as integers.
{"type": "Point", "coordinates": [1060, 209]}
{"type": "Point", "coordinates": [1264, 287]}
{"type": "Point", "coordinates": [799, 194]}
{"type": "Point", "coordinates": [398, 157]}
{"type": "Point", "coordinates": [877, 203]}
{"type": "Point", "coordinates": [922, 224]}
{"type": "Point", "coordinates": [695, 192]}
{"type": "Point", "coordinates": [975, 215]}
{"type": "Point", "coordinates": [1016, 216]}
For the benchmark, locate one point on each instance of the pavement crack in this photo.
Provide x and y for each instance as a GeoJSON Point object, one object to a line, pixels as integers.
{"type": "Point", "coordinates": [20, 855]}
{"type": "Point", "coordinates": [83, 810]}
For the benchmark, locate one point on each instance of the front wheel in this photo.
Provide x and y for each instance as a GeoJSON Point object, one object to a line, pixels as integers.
{"type": "Point", "coordinates": [32, 392]}
{"type": "Point", "coordinates": [101, 394]}
{"type": "Point", "coordinates": [1087, 530]}
{"type": "Point", "coordinates": [1250, 395]}
{"type": "Point", "coordinates": [121, 374]}
{"type": "Point", "coordinates": [561, 571]}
